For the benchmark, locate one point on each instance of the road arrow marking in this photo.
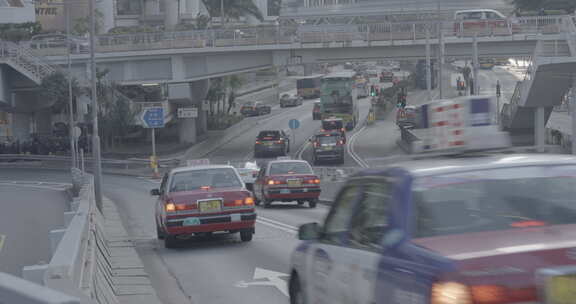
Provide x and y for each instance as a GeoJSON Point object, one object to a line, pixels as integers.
{"type": "Point", "coordinates": [272, 278]}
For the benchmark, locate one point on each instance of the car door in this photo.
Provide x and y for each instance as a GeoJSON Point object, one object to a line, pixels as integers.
{"type": "Point", "coordinates": [370, 221]}
{"type": "Point", "coordinates": [327, 277]}
{"type": "Point", "coordinates": [161, 199]}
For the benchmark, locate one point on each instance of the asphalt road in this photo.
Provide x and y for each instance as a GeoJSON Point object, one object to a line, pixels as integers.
{"type": "Point", "coordinates": [222, 269]}
{"type": "Point", "coordinates": [27, 215]}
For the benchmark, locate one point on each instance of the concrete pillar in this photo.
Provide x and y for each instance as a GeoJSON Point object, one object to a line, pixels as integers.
{"type": "Point", "coordinates": [171, 14]}
{"type": "Point", "coordinates": [187, 130]}
{"type": "Point", "coordinates": [539, 129]}
{"type": "Point", "coordinates": [34, 273]}
{"type": "Point", "coordinates": [151, 7]}
{"type": "Point", "coordinates": [55, 238]}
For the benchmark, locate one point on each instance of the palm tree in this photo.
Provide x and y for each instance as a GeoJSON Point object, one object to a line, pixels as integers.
{"type": "Point", "coordinates": [233, 8]}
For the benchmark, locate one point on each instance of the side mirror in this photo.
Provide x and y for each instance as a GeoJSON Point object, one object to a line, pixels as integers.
{"type": "Point", "coordinates": [310, 231]}
{"type": "Point", "coordinates": [393, 238]}
{"type": "Point", "coordinates": [155, 192]}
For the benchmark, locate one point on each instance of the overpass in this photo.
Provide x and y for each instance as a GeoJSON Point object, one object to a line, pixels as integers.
{"type": "Point", "coordinates": [186, 60]}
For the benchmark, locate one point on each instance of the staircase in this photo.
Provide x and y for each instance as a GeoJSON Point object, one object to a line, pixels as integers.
{"type": "Point", "coordinates": [22, 60]}
{"type": "Point", "coordinates": [545, 82]}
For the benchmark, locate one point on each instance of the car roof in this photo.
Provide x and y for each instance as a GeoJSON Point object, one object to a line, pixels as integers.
{"type": "Point", "coordinates": [474, 162]}
{"type": "Point", "coordinates": [201, 167]}
{"type": "Point", "coordinates": [477, 11]}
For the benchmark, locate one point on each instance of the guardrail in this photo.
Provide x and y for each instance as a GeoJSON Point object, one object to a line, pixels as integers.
{"type": "Point", "coordinates": [16, 290]}
{"type": "Point", "coordinates": [290, 35]}
{"type": "Point", "coordinates": [80, 253]}
{"type": "Point", "coordinates": [131, 163]}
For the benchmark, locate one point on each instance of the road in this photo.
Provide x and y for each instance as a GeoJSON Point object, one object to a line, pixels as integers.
{"type": "Point", "coordinates": [24, 234]}
{"type": "Point", "coordinates": [224, 270]}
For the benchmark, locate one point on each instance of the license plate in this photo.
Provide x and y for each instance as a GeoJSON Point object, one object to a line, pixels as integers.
{"type": "Point", "coordinates": [561, 289]}
{"type": "Point", "coordinates": [329, 148]}
{"type": "Point", "coordinates": [208, 206]}
{"type": "Point", "coordinates": [191, 221]}
{"type": "Point", "coordinates": [284, 191]}
{"type": "Point", "coordinates": [268, 143]}
{"type": "Point", "coordinates": [293, 182]}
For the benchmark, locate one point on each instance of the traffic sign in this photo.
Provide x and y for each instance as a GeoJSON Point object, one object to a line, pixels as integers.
{"type": "Point", "coordinates": [294, 124]}
{"type": "Point", "coordinates": [187, 112]}
{"type": "Point", "coordinates": [153, 117]}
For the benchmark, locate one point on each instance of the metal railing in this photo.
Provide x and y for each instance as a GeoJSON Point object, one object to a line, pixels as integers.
{"type": "Point", "coordinates": [273, 36]}
{"type": "Point", "coordinates": [21, 57]}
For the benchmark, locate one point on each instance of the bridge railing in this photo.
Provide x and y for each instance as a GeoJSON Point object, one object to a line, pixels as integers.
{"type": "Point", "coordinates": [288, 35]}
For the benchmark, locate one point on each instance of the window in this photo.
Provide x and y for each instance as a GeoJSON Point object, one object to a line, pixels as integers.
{"type": "Point", "coordinates": [290, 168]}
{"type": "Point", "coordinates": [327, 140]}
{"type": "Point", "coordinates": [213, 178]}
{"type": "Point", "coordinates": [495, 200]}
{"type": "Point", "coordinates": [269, 135]}
{"type": "Point", "coordinates": [472, 16]}
{"type": "Point", "coordinates": [337, 221]}
{"type": "Point", "coordinates": [129, 7]}
{"type": "Point", "coordinates": [163, 183]}
{"type": "Point", "coordinates": [371, 220]}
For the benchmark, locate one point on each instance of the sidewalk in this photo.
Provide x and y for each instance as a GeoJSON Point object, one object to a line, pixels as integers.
{"type": "Point", "coordinates": [131, 282]}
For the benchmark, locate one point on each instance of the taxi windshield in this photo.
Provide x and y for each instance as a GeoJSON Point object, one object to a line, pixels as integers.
{"type": "Point", "coordinates": [496, 199]}
{"type": "Point", "coordinates": [290, 168]}
{"type": "Point", "coordinates": [327, 140]}
{"type": "Point", "coordinates": [212, 178]}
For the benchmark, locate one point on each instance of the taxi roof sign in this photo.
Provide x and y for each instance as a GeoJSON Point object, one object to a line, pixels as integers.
{"type": "Point", "coordinates": [197, 162]}
{"type": "Point", "coordinates": [461, 124]}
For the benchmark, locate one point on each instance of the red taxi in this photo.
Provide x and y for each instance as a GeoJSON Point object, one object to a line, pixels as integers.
{"type": "Point", "coordinates": [287, 181]}
{"type": "Point", "coordinates": [201, 200]}
{"type": "Point", "coordinates": [484, 22]}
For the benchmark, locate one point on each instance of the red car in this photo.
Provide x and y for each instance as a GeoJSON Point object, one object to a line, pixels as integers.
{"type": "Point", "coordinates": [202, 200]}
{"type": "Point", "coordinates": [287, 181]}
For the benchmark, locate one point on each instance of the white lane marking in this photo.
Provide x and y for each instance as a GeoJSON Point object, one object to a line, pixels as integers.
{"type": "Point", "coordinates": [277, 223]}
{"type": "Point", "coordinates": [271, 278]}
{"type": "Point", "coordinates": [350, 148]}
{"type": "Point", "coordinates": [279, 227]}
{"type": "Point", "coordinates": [2, 239]}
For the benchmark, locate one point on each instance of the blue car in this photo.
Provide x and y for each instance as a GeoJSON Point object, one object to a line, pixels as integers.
{"type": "Point", "coordinates": [476, 228]}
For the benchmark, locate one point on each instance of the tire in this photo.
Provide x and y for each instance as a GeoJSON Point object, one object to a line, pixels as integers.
{"type": "Point", "coordinates": [159, 232]}
{"type": "Point", "coordinates": [170, 241]}
{"type": "Point", "coordinates": [246, 235]}
{"type": "Point", "coordinates": [256, 201]}
{"type": "Point", "coordinates": [295, 291]}
{"type": "Point", "coordinates": [300, 203]}
{"type": "Point", "coordinates": [312, 203]}
{"type": "Point", "coordinates": [267, 203]}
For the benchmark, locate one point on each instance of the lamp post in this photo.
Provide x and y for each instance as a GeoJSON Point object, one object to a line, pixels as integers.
{"type": "Point", "coordinates": [95, 132]}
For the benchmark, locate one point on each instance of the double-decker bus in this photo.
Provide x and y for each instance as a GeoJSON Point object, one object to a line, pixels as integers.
{"type": "Point", "coordinates": [339, 98]}
{"type": "Point", "coordinates": [309, 86]}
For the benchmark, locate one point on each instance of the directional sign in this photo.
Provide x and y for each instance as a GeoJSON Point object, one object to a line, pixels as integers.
{"type": "Point", "coordinates": [272, 278]}
{"type": "Point", "coordinates": [153, 117]}
{"type": "Point", "coordinates": [187, 112]}
{"type": "Point", "coordinates": [294, 124]}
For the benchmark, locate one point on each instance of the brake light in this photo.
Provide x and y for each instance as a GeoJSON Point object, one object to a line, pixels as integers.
{"type": "Point", "coordinates": [450, 293]}
{"type": "Point", "coordinates": [312, 181]}
{"type": "Point", "coordinates": [279, 141]}
{"type": "Point", "coordinates": [258, 142]}
{"type": "Point", "coordinates": [340, 142]}
{"type": "Point", "coordinates": [249, 201]}
{"type": "Point", "coordinates": [274, 182]}
{"type": "Point", "coordinates": [453, 292]}
{"type": "Point", "coordinates": [205, 188]}
{"type": "Point", "coordinates": [170, 207]}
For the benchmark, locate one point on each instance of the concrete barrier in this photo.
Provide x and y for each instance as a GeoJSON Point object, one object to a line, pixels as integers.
{"type": "Point", "coordinates": [20, 291]}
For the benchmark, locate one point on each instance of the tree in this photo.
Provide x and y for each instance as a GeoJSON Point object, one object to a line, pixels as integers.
{"type": "Point", "coordinates": [82, 25]}
{"type": "Point", "coordinates": [232, 83]}
{"type": "Point", "coordinates": [54, 89]}
{"type": "Point", "coordinates": [274, 7]}
{"type": "Point", "coordinates": [115, 114]}
{"type": "Point", "coordinates": [233, 8]}
{"type": "Point", "coordinates": [19, 31]}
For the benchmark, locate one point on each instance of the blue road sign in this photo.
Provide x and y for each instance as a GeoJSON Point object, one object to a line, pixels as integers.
{"type": "Point", "coordinates": [153, 117]}
{"type": "Point", "coordinates": [294, 124]}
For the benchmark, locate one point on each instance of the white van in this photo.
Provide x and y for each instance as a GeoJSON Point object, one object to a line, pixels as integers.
{"type": "Point", "coordinates": [481, 21]}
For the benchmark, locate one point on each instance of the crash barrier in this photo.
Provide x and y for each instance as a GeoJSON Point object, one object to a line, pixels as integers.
{"type": "Point", "coordinates": [290, 35]}
{"type": "Point", "coordinates": [80, 264]}
{"type": "Point", "coordinates": [16, 290]}
{"type": "Point", "coordinates": [131, 163]}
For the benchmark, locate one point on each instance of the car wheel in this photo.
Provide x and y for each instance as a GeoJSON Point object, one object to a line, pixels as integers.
{"type": "Point", "coordinates": [170, 241]}
{"type": "Point", "coordinates": [312, 203]}
{"type": "Point", "coordinates": [159, 232]}
{"type": "Point", "coordinates": [300, 203]}
{"type": "Point", "coordinates": [246, 235]}
{"type": "Point", "coordinates": [295, 291]}
{"type": "Point", "coordinates": [256, 200]}
{"type": "Point", "coordinates": [267, 203]}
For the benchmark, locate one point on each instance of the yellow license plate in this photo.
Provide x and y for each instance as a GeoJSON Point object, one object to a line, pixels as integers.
{"type": "Point", "coordinates": [562, 290]}
{"type": "Point", "coordinates": [293, 183]}
{"type": "Point", "coordinates": [209, 206]}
